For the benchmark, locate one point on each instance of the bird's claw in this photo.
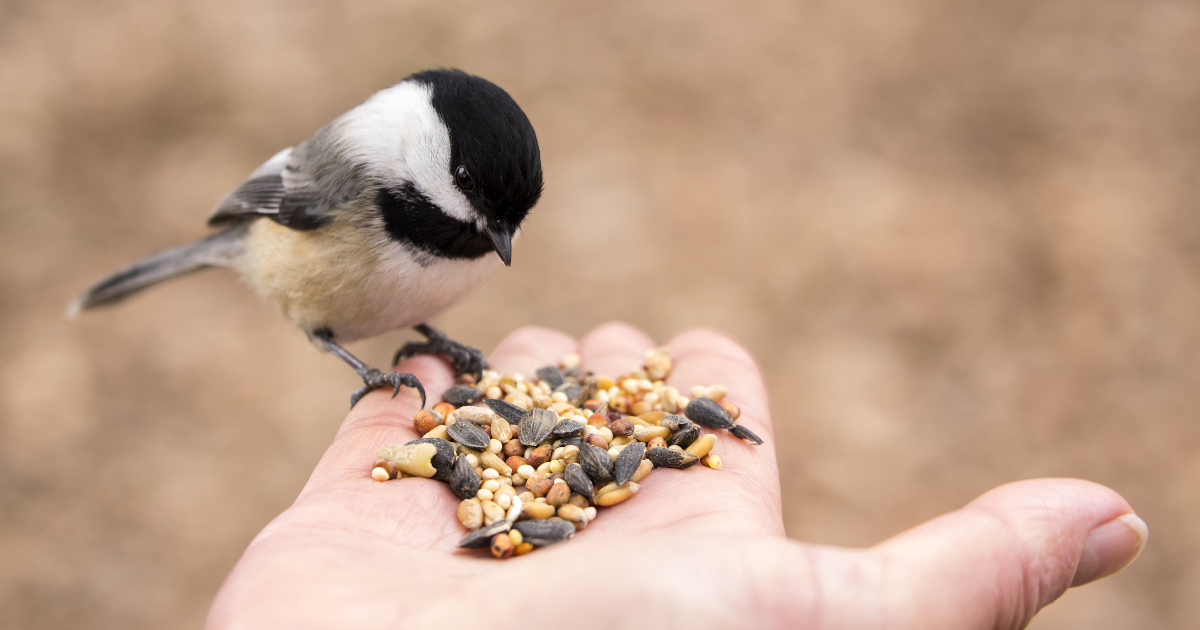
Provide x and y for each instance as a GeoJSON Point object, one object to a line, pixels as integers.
{"type": "Point", "coordinates": [374, 379]}
{"type": "Point", "coordinates": [464, 358]}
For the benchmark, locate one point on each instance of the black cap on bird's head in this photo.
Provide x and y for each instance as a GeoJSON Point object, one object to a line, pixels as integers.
{"type": "Point", "coordinates": [494, 156]}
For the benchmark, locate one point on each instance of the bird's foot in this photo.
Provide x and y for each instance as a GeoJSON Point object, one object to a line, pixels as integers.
{"type": "Point", "coordinates": [464, 358]}
{"type": "Point", "coordinates": [374, 379]}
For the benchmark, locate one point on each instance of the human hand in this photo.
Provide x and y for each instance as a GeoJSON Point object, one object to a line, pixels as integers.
{"type": "Point", "coordinates": [696, 548]}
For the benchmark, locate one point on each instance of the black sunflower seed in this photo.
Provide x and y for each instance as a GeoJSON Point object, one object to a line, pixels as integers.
{"type": "Point", "coordinates": [674, 422]}
{"type": "Point", "coordinates": [505, 409]}
{"type": "Point", "coordinates": [550, 375]}
{"type": "Point", "coordinates": [570, 441]}
{"type": "Point", "coordinates": [536, 426]}
{"type": "Point", "coordinates": [463, 479]}
{"type": "Point", "coordinates": [685, 436]}
{"type": "Point", "coordinates": [596, 463]}
{"type": "Point", "coordinates": [542, 532]}
{"type": "Point", "coordinates": [627, 462]}
{"type": "Point", "coordinates": [443, 461]}
{"type": "Point", "coordinates": [469, 435]}
{"type": "Point", "coordinates": [572, 391]}
{"type": "Point", "coordinates": [461, 395]}
{"type": "Point", "coordinates": [567, 428]}
{"type": "Point", "coordinates": [671, 458]}
{"type": "Point", "coordinates": [578, 480]}
{"type": "Point", "coordinates": [743, 433]}
{"type": "Point", "coordinates": [707, 413]}
{"type": "Point", "coordinates": [482, 537]}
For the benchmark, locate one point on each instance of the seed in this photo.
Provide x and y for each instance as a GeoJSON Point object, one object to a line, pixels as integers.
{"type": "Point", "coordinates": [513, 448]}
{"type": "Point", "coordinates": [413, 459]}
{"type": "Point", "coordinates": [501, 429]}
{"type": "Point", "coordinates": [605, 433]}
{"type": "Point", "coordinates": [644, 468]}
{"type": "Point", "coordinates": [620, 441]}
{"type": "Point", "coordinates": [483, 537]}
{"type": "Point", "coordinates": [439, 432]}
{"type": "Point", "coordinates": [621, 426]}
{"type": "Point", "coordinates": [523, 548]}
{"type": "Point", "coordinates": [670, 458]}
{"type": "Point", "coordinates": [567, 428]}
{"type": "Point", "coordinates": [591, 512]}
{"type": "Point", "coordinates": [712, 460]}
{"type": "Point", "coordinates": [389, 469]}
{"type": "Point", "coordinates": [707, 413]}
{"type": "Point", "coordinates": [540, 533]}
{"type": "Point", "coordinates": [539, 484]}
{"type": "Point", "coordinates": [639, 407]}
{"type": "Point", "coordinates": [540, 455]}
{"type": "Point", "coordinates": [515, 462]}
{"type": "Point", "coordinates": [491, 485]}
{"type": "Point", "coordinates": [538, 510]}
{"type": "Point", "coordinates": [463, 480]}
{"type": "Point", "coordinates": [542, 402]}
{"type": "Point", "coordinates": [380, 474]}
{"type": "Point", "coordinates": [491, 460]}
{"type": "Point", "coordinates": [525, 470]}
{"type": "Point", "coordinates": [578, 480]}
{"type": "Point", "coordinates": [743, 433]}
{"type": "Point", "coordinates": [461, 395]}
{"type": "Point", "coordinates": [702, 445]}
{"type": "Point", "coordinates": [571, 392]}
{"type": "Point", "coordinates": [536, 426]}
{"type": "Point", "coordinates": [617, 495]}
{"type": "Point", "coordinates": [470, 435]}
{"type": "Point", "coordinates": [596, 463]}
{"type": "Point", "coordinates": [495, 446]}
{"type": "Point", "coordinates": [557, 465]}
{"type": "Point", "coordinates": [493, 393]}
{"type": "Point", "coordinates": [492, 512]}
{"type": "Point", "coordinates": [574, 515]}
{"type": "Point", "coordinates": [423, 422]}
{"type": "Point", "coordinates": [506, 410]}
{"type": "Point", "coordinates": [443, 408]}
{"type": "Point", "coordinates": [502, 546]}
{"type": "Point", "coordinates": [652, 417]}
{"type": "Point", "coordinates": [444, 460]}
{"type": "Point", "coordinates": [674, 422]}
{"type": "Point", "coordinates": [656, 443]}
{"type": "Point", "coordinates": [516, 536]}
{"type": "Point", "coordinates": [490, 474]}
{"type": "Point", "coordinates": [559, 493]}
{"type": "Point", "coordinates": [658, 363]}
{"type": "Point", "coordinates": [732, 409]}
{"type": "Point", "coordinates": [685, 435]}
{"type": "Point", "coordinates": [503, 500]}
{"type": "Point", "coordinates": [484, 495]}
{"type": "Point", "coordinates": [550, 375]}
{"type": "Point", "coordinates": [470, 513]}
{"type": "Point", "coordinates": [628, 462]}
{"type": "Point", "coordinates": [475, 415]}
{"type": "Point", "coordinates": [570, 454]}
{"type": "Point", "coordinates": [568, 442]}
{"type": "Point", "coordinates": [646, 434]}
{"type": "Point", "coordinates": [596, 440]}
{"type": "Point", "coordinates": [579, 501]}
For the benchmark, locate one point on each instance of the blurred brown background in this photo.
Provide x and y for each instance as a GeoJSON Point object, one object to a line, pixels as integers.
{"type": "Point", "coordinates": [961, 237]}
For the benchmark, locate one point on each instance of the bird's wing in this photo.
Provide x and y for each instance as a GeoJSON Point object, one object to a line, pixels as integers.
{"type": "Point", "coordinates": [280, 190]}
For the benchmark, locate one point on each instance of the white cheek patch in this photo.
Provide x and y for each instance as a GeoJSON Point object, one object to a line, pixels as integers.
{"type": "Point", "coordinates": [400, 138]}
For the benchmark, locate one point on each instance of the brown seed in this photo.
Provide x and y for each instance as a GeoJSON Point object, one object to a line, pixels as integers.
{"type": "Point", "coordinates": [657, 443]}
{"type": "Point", "coordinates": [670, 458]}
{"type": "Point", "coordinates": [580, 501]}
{"type": "Point", "coordinates": [423, 422]}
{"type": "Point", "coordinates": [595, 439]}
{"type": "Point", "coordinates": [501, 429]}
{"type": "Point", "coordinates": [470, 514]}
{"type": "Point", "coordinates": [644, 469]}
{"type": "Point", "coordinates": [621, 426]}
{"type": "Point", "coordinates": [537, 510]}
{"type": "Point", "coordinates": [540, 455]}
{"type": "Point", "coordinates": [598, 420]}
{"type": "Point", "coordinates": [733, 410]}
{"type": "Point", "coordinates": [617, 495]}
{"type": "Point", "coordinates": [702, 445]}
{"type": "Point", "coordinates": [523, 549]}
{"type": "Point", "coordinates": [559, 494]}
{"type": "Point", "coordinates": [627, 462]}
{"type": "Point", "coordinates": [592, 404]}
{"type": "Point", "coordinates": [513, 448]}
{"type": "Point", "coordinates": [574, 515]}
{"type": "Point", "coordinates": [491, 460]}
{"type": "Point", "coordinates": [539, 484]}
{"type": "Point", "coordinates": [515, 462]}
{"type": "Point", "coordinates": [502, 546]}
{"type": "Point", "coordinates": [536, 426]}
{"type": "Point", "coordinates": [387, 466]}
{"type": "Point", "coordinates": [443, 408]}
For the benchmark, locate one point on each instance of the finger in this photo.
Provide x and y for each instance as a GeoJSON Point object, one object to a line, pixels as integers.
{"type": "Point", "coordinates": [997, 561]}
{"type": "Point", "coordinates": [614, 349]}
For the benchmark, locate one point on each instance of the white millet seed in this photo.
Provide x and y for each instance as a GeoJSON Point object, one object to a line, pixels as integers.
{"type": "Point", "coordinates": [484, 494]}
{"type": "Point", "coordinates": [490, 473]}
{"type": "Point", "coordinates": [495, 446]}
{"type": "Point", "coordinates": [473, 460]}
{"type": "Point", "coordinates": [558, 397]}
{"type": "Point", "coordinates": [491, 485]}
{"type": "Point", "coordinates": [525, 470]}
{"type": "Point", "coordinates": [379, 474]}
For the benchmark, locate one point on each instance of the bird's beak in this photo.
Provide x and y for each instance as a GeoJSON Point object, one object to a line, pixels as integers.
{"type": "Point", "coordinates": [502, 241]}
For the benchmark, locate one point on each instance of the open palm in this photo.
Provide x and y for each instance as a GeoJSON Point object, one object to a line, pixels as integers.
{"type": "Point", "coordinates": [694, 548]}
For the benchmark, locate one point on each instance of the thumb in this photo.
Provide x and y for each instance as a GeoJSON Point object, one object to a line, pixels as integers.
{"type": "Point", "coordinates": [1000, 559]}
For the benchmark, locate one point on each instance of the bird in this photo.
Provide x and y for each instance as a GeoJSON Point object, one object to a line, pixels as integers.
{"type": "Point", "coordinates": [395, 211]}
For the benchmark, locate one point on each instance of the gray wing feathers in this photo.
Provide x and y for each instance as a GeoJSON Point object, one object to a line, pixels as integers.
{"type": "Point", "coordinates": [220, 249]}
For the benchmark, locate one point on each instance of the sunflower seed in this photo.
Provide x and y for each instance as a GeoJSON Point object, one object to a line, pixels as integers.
{"type": "Point", "coordinates": [550, 375]}
{"type": "Point", "coordinates": [743, 433]}
{"type": "Point", "coordinates": [536, 426]}
{"type": "Point", "coordinates": [567, 428]}
{"type": "Point", "coordinates": [571, 441]}
{"type": "Point", "coordinates": [482, 537]}
{"type": "Point", "coordinates": [572, 392]}
{"type": "Point", "coordinates": [674, 422]}
{"type": "Point", "coordinates": [685, 436]}
{"type": "Point", "coordinates": [461, 395]}
{"type": "Point", "coordinates": [706, 413]}
{"type": "Point", "coordinates": [578, 480]}
{"type": "Point", "coordinates": [463, 479]}
{"type": "Point", "coordinates": [627, 462]}
{"type": "Point", "coordinates": [670, 458]}
{"type": "Point", "coordinates": [469, 435]}
{"type": "Point", "coordinates": [596, 463]}
{"type": "Point", "coordinates": [443, 461]}
{"type": "Point", "coordinates": [542, 532]}
{"type": "Point", "coordinates": [505, 409]}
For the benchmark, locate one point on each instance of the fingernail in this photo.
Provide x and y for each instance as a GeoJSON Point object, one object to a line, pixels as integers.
{"type": "Point", "coordinates": [1110, 548]}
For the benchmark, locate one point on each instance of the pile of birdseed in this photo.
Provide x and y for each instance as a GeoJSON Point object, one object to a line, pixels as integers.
{"type": "Point", "coordinates": [536, 461]}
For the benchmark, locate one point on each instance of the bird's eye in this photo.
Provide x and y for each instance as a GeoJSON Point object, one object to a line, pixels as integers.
{"type": "Point", "coordinates": [463, 178]}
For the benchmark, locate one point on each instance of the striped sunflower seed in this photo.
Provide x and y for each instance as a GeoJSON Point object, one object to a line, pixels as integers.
{"type": "Point", "coordinates": [743, 433]}
{"type": "Point", "coordinates": [463, 479]}
{"type": "Point", "coordinates": [685, 436]}
{"type": "Point", "coordinates": [670, 458]}
{"type": "Point", "coordinates": [674, 422]}
{"type": "Point", "coordinates": [462, 395]}
{"type": "Point", "coordinates": [550, 375]}
{"type": "Point", "coordinates": [596, 463]}
{"type": "Point", "coordinates": [567, 428]}
{"type": "Point", "coordinates": [469, 435]}
{"type": "Point", "coordinates": [542, 532]}
{"type": "Point", "coordinates": [536, 426]}
{"type": "Point", "coordinates": [572, 391]}
{"type": "Point", "coordinates": [482, 537]}
{"type": "Point", "coordinates": [578, 480]}
{"type": "Point", "coordinates": [505, 409]}
{"type": "Point", "coordinates": [706, 413]}
{"type": "Point", "coordinates": [627, 462]}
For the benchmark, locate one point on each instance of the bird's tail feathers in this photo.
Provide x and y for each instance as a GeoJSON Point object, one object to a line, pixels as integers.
{"type": "Point", "coordinates": [219, 249]}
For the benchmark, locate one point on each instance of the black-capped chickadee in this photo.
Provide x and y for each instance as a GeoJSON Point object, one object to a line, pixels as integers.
{"type": "Point", "coordinates": [385, 217]}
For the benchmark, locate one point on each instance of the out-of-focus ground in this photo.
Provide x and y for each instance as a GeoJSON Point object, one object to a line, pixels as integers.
{"type": "Point", "coordinates": [963, 240]}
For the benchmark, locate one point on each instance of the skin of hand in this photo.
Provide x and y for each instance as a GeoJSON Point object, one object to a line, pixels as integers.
{"type": "Point", "coordinates": [695, 548]}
